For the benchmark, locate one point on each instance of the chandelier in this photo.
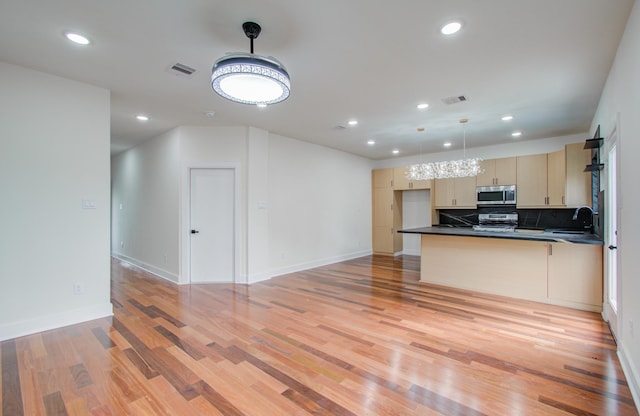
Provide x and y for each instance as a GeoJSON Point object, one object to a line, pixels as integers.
{"type": "Point", "coordinates": [248, 78]}
{"type": "Point", "coordinates": [448, 169]}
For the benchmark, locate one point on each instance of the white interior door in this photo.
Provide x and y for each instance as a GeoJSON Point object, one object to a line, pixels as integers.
{"type": "Point", "coordinates": [611, 213]}
{"type": "Point", "coordinates": [212, 225]}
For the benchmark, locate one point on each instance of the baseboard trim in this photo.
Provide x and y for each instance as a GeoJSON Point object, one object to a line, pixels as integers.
{"type": "Point", "coordinates": [631, 373]}
{"type": "Point", "coordinates": [317, 263]}
{"type": "Point", "coordinates": [164, 274]}
{"type": "Point", "coordinates": [54, 321]}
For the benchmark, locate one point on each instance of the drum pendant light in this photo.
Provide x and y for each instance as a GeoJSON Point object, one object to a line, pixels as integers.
{"type": "Point", "coordinates": [248, 78]}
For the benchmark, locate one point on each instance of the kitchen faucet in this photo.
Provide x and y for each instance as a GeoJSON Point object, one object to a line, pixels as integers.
{"type": "Point", "coordinates": [575, 214]}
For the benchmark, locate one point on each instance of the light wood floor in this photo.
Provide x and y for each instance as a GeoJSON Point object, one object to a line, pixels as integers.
{"type": "Point", "coordinates": [361, 337]}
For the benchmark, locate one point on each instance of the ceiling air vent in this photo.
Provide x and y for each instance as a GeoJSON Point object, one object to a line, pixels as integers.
{"type": "Point", "coordinates": [181, 70]}
{"type": "Point", "coordinates": [454, 100]}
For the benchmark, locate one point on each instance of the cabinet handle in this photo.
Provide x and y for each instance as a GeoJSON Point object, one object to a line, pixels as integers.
{"type": "Point", "coordinates": [563, 203]}
{"type": "Point", "coordinates": [550, 249]}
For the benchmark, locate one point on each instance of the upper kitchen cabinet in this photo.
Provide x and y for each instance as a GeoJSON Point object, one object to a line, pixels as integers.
{"type": "Point", "coordinates": [578, 192]}
{"type": "Point", "coordinates": [455, 193]}
{"type": "Point", "coordinates": [401, 183]}
{"type": "Point", "coordinates": [497, 172]}
{"type": "Point", "coordinates": [533, 176]}
{"type": "Point", "coordinates": [382, 178]}
{"type": "Point", "coordinates": [554, 180]}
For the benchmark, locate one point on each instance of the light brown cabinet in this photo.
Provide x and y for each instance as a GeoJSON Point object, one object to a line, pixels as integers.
{"type": "Point", "coordinates": [401, 183]}
{"type": "Point", "coordinates": [575, 275]}
{"type": "Point", "coordinates": [382, 178]}
{"type": "Point", "coordinates": [387, 213]}
{"type": "Point", "coordinates": [558, 273]}
{"type": "Point", "coordinates": [554, 180]}
{"type": "Point", "coordinates": [455, 193]}
{"type": "Point", "coordinates": [541, 180]}
{"type": "Point", "coordinates": [578, 182]}
{"type": "Point", "coordinates": [497, 172]}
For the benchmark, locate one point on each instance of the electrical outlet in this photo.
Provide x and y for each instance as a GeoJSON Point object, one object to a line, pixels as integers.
{"type": "Point", "coordinates": [78, 289]}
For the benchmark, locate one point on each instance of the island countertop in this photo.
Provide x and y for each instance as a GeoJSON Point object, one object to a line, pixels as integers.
{"type": "Point", "coordinates": [551, 235]}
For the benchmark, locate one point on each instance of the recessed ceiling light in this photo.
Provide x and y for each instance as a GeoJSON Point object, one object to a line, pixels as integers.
{"type": "Point", "coordinates": [447, 144]}
{"type": "Point", "coordinates": [142, 117]}
{"type": "Point", "coordinates": [353, 122]}
{"type": "Point", "coordinates": [422, 106]}
{"type": "Point", "coordinates": [516, 134]}
{"type": "Point", "coordinates": [77, 38]}
{"type": "Point", "coordinates": [395, 151]}
{"type": "Point", "coordinates": [507, 118]}
{"type": "Point", "coordinates": [451, 28]}
{"type": "Point", "coordinates": [210, 113]}
{"type": "Point", "coordinates": [371, 142]}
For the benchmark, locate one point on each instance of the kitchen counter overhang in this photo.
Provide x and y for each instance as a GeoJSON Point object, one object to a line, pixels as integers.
{"type": "Point", "coordinates": [551, 236]}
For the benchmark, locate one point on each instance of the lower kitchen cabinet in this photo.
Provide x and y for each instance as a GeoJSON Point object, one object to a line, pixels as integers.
{"type": "Point", "coordinates": [562, 274]}
{"type": "Point", "coordinates": [575, 275]}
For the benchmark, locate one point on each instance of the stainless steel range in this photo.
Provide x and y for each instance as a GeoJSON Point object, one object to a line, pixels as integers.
{"type": "Point", "coordinates": [497, 222]}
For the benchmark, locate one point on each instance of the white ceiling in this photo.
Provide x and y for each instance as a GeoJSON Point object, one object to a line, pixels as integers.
{"type": "Point", "coordinates": [544, 61]}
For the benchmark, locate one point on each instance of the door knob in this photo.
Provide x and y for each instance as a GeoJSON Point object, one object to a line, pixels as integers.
{"type": "Point", "coordinates": [613, 247]}
{"type": "Point", "coordinates": [194, 231]}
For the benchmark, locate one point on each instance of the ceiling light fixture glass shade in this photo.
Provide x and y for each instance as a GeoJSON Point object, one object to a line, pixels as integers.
{"type": "Point", "coordinates": [248, 78]}
{"type": "Point", "coordinates": [441, 170]}
{"type": "Point", "coordinates": [449, 169]}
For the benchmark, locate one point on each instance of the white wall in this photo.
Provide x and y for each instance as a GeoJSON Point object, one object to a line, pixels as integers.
{"type": "Point", "coordinates": [300, 205]}
{"type": "Point", "coordinates": [145, 204]}
{"type": "Point", "coordinates": [54, 152]}
{"type": "Point", "coordinates": [319, 205]}
{"type": "Point", "coordinates": [621, 98]}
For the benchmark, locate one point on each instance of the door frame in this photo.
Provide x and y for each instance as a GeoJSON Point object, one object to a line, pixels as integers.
{"type": "Point", "coordinates": [185, 218]}
{"type": "Point", "coordinates": [607, 312]}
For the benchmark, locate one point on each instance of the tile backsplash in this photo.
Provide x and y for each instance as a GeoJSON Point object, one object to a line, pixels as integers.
{"type": "Point", "coordinates": [527, 218]}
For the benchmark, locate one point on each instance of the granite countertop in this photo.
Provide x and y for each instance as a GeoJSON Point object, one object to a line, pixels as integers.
{"type": "Point", "coordinates": [550, 235]}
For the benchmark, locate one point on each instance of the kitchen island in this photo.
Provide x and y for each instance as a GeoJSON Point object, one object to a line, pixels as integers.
{"type": "Point", "coordinates": [551, 266]}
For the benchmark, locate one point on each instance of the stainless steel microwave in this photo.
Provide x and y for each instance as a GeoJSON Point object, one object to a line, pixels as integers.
{"type": "Point", "coordinates": [496, 195]}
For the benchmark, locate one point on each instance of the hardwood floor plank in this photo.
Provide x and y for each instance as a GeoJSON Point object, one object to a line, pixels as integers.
{"type": "Point", "coordinates": [103, 338]}
{"type": "Point", "coordinates": [80, 376]}
{"type": "Point", "coordinates": [54, 404]}
{"type": "Point", "coordinates": [359, 337]}
{"type": "Point", "coordinates": [565, 407]}
{"type": "Point", "coordinates": [441, 403]}
{"type": "Point", "coordinates": [11, 389]}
